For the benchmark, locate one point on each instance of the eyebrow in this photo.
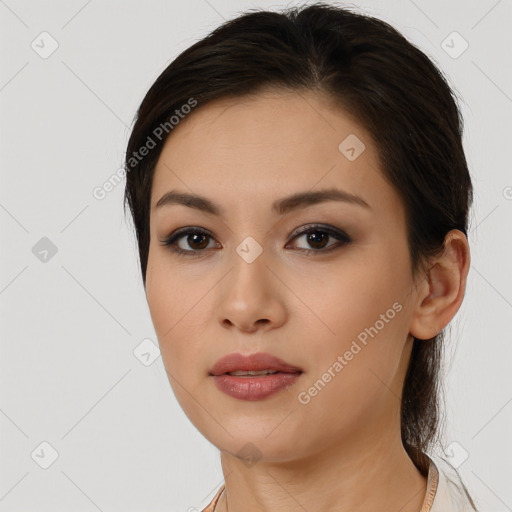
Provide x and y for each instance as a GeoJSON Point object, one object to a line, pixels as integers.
{"type": "Point", "coordinates": [281, 206]}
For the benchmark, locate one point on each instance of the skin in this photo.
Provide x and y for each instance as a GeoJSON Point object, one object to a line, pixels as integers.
{"type": "Point", "coordinates": [342, 450]}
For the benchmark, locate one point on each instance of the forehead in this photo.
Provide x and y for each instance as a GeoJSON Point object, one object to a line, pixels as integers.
{"type": "Point", "coordinates": [262, 147]}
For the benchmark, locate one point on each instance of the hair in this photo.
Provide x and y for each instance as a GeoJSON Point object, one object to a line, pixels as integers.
{"type": "Point", "coordinates": [374, 74]}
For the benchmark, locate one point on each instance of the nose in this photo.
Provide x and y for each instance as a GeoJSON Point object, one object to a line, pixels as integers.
{"type": "Point", "coordinates": [251, 298]}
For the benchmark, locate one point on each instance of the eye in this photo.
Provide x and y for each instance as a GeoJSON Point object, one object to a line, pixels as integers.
{"type": "Point", "coordinates": [194, 238]}
{"type": "Point", "coordinates": [317, 237]}
{"type": "Point", "coordinates": [192, 241]}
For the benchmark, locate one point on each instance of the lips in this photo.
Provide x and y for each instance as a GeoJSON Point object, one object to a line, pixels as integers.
{"type": "Point", "coordinates": [234, 375]}
{"type": "Point", "coordinates": [261, 361]}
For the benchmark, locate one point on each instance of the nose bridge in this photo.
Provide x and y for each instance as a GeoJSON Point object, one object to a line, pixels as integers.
{"type": "Point", "coordinates": [249, 295]}
{"type": "Point", "coordinates": [249, 275]}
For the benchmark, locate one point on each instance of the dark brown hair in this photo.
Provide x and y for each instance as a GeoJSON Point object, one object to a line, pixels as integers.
{"type": "Point", "coordinates": [388, 85]}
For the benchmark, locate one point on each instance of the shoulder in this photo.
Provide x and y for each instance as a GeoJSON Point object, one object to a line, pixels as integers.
{"type": "Point", "coordinates": [451, 494]}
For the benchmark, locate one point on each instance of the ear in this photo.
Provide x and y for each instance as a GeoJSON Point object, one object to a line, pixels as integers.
{"type": "Point", "coordinates": [441, 291]}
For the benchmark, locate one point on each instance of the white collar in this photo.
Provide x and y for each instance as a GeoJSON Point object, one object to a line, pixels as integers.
{"type": "Point", "coordinates": [445, 489]}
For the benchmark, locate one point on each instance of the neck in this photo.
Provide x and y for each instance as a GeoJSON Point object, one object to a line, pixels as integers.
{"type": "Point", "coordinates": [376, 474]}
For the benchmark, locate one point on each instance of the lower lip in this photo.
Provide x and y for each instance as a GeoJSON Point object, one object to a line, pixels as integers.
{"type": "Point", "coordinates": [255, 387]}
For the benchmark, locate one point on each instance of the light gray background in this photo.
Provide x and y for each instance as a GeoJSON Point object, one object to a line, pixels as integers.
{"type": "Point", "coordinates": [68, 373]}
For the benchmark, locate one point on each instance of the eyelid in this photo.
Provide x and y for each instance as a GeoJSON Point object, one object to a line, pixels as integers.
{"type": "Point", "coordinates": [342, 237]}
{"type": "Point", "coordinates": [319, 227]}
{"type": "Point", "coordinates": [171, 240]}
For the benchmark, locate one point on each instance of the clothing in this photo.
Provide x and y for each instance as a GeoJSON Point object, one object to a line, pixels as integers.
{"type": "Point", "coordinates": [451, 494]}
{"type": "Point", "coordinates": [445, 490]}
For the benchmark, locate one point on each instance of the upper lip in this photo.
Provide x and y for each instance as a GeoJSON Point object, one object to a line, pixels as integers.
{"type": "Point", "coordinates": [251, 362]}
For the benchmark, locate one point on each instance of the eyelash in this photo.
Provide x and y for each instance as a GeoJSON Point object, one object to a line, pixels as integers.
{"type": "Point", "coordinates": [170, 242]}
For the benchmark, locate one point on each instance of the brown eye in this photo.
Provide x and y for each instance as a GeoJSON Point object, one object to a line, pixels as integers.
{"type": "Point", "coordinates": [317, 238]}
{"type": "Point", "coordinates": [190, 241]}
{"type": "Point", "coordinates": [197, 241]}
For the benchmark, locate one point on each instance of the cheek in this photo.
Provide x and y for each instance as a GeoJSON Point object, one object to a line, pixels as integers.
{"type": "Point", "coordinates": [172, 305]}
{"type": "Point", "coordinates": [364, 320]}
{"type": "Point", "coordinates": [352, 297]}
{"type": "Point", "coordinates": [176, 313]}
{"type": "Point", "coordinates": [353, 378]}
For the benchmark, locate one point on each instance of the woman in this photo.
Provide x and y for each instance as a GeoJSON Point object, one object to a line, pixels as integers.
{"type": "Point", "coordinates": [300, 196]}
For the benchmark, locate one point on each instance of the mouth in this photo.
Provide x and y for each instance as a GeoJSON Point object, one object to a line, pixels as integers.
{"type": "Point", "coordinates": [252, 364]}
{"type": "Point", "coordinates": [247, 373]}
{"type": "Point", "coordinates": [253, 377]}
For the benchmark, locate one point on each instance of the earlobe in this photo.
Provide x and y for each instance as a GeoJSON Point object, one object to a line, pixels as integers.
{"type": "Point", "coordinates": [442, 291]}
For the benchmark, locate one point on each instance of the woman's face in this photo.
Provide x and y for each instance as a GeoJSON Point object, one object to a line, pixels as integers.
{"type": "Point", "coordinates": [337, 309]}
